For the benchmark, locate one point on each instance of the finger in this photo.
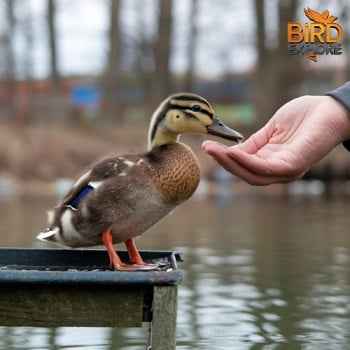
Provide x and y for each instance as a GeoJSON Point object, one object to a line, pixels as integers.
{"type": "Point", "coordinates": [252, 162]}
{"type": "Point", "coordinates": [230, 158]}
{"type": "Point", "coordinates": [256, 141]}
{"type": "Point", "coordinates": [238, 169]}
{"type": "Point", "coordinates": [281, 165]}
{"type": "Point", "coordinates": [217, 151]}
{"type": "Point", "coordinates": [212, 147]}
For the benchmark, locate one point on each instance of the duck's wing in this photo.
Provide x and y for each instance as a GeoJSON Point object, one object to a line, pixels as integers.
{"type": "Point", "coordinates": [99, 172]}
{"type": "Point", "coordinates": [54, 215]}
{"type": "Point", "coordinates": [76, 188]}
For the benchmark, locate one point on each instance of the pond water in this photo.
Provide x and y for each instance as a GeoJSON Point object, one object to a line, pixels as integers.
{"type": "Point", "coordinates": [259, 273]}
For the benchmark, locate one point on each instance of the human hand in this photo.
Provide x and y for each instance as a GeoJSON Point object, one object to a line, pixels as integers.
{"type": "Point", "coordinates": [299, 134]}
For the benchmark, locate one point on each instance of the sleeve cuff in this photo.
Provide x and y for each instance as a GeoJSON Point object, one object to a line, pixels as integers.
{"type": "Point", "coordinates": [342, 94]}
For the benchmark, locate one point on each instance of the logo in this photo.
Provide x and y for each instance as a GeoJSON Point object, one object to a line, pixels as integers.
{"type": "Point", "coordinates": [320, 37]}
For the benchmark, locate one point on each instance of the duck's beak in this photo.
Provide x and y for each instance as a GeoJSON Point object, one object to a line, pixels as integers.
{"type": "Point", "coordinates": [218, 128]}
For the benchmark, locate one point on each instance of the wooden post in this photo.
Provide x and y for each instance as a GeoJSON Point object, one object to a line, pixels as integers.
{"type": "Point", "coordinates": [164, 318]}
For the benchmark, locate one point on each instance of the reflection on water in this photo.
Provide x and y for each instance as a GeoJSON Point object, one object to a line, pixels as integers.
{"type": "Point", "coordinates": [259, 273]}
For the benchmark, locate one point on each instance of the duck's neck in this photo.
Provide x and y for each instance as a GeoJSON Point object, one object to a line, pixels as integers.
{"type": "Point", "coordinates": [162, 137]}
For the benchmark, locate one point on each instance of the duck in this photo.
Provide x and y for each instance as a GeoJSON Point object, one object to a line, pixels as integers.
{"type": "Point", "coordinates": [120, 197]}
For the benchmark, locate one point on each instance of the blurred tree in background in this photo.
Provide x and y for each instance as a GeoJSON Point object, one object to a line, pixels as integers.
{"type": "Point", "coordinates": [278, 76]}
{"type": "Point", "coordinates": [53, 110]}
{"type": "Point", "coordinates": [112, 79]}
{"type": "Point", "coordinates": [9, 59]}
{"type": "Point", "coordinates": [161, 81]}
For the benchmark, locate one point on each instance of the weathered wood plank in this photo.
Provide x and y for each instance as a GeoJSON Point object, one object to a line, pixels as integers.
{"type": "Point", "coordinates": [164, 318]}
{"type": "Point", "coordinates": [43, 306]}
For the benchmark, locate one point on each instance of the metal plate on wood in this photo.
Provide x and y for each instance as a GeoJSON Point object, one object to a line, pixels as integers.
{"type": "Point", "coordinates": [61, 266]}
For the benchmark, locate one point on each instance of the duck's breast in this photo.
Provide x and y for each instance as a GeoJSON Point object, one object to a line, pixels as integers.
{"type": "Point", "coordinates": [178, 172]}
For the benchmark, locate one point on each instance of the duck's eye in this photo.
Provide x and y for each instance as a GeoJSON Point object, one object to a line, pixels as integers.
{"type": "Point", "coordinates": [196, 108]}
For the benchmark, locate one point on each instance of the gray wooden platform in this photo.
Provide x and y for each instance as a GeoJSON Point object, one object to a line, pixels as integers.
{"type": "Point", "coordinates": [58, 287]}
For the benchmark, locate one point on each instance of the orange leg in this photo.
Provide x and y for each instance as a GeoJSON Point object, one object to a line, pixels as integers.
{"type": "Point", "coordinates": [134, 255]}
{"type": "Point", "coordinates": [114, 259]}
{"type": "Point", "coordinates": [133, 252]}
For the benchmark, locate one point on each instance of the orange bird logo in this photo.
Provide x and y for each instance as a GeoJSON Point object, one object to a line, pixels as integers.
{"type": "Point", "coordinates": [317, 17]}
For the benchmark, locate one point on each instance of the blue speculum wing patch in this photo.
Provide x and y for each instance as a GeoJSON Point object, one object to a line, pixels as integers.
{"type": "Point", "coordinates": [75, 202]}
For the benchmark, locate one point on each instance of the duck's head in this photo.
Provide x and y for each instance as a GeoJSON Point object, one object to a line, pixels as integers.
{"type": "Point", "coordinates": [186, 113]}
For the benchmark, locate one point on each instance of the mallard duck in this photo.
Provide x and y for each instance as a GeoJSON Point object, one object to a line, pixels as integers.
{"type": "Point", "coordinates": [120, 197]}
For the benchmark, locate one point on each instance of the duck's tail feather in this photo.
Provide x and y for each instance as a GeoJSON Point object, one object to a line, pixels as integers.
{"type": "Point", "coordinates": [49, 235]}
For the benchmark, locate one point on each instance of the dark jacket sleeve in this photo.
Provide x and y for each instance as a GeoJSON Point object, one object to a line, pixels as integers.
{"type": "Point", "coordinates": [342, 94]}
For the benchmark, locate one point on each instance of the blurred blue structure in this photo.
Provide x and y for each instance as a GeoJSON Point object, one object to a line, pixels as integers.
{"type": "Point", "coordinates": [86, 97]}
